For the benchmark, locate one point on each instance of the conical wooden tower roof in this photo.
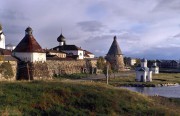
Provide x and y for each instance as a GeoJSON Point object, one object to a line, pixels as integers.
{"type": "Point", "coordinates": [28, 43]}
{"type": "Point", "coordinates": [114, 49]}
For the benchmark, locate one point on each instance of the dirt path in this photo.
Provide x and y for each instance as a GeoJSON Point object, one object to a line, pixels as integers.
{"type": "Point", "coordinates": [102, 76]}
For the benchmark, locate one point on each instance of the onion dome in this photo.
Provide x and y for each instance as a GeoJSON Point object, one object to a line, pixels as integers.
{"type": "Point", "coordinates": [29, 31]}
{"type": "Point", "coordinates": [61, 38]}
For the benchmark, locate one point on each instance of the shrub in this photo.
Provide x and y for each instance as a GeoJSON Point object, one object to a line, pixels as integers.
{"type": "Point", "coordinates": [6, 69]}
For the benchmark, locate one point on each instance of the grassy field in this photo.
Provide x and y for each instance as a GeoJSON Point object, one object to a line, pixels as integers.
{"type": "Point", "coordinates": [167, 77]}
{"type": "Point", "coordinates": [162, 78]}
{"type": "Point", "coordinates": [67, 97]}
{"type": "Point", "coordinates": [72, 76]}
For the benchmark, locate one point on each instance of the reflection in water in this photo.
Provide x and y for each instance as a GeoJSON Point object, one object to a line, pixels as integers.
{"type": "Point", "coordinates": [170, 91]}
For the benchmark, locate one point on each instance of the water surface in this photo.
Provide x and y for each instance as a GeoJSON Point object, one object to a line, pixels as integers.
{"type": "Point", "coordinates": [168, 91]}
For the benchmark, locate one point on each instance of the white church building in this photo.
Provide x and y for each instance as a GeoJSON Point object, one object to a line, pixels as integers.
{"type": "Point", "coordinates": [72, 50]}
{"type": "Point", "coordinates": [2, 38]}
{"type": "Point", "coordinates": [155, 68]}
{"type": "Point", "coordinates": [28, 49]}
{"type": "Point", "coordinates": [143, 73]}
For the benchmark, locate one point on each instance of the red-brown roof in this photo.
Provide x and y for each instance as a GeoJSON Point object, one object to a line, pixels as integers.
{"type": "Point", "coordinates": [28, 44]}
{"type": "Point", "coordinates": [5, 52]}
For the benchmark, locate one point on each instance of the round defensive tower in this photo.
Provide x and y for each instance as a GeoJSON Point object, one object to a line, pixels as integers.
{"type": "Point", "coordinates": [115, 56]}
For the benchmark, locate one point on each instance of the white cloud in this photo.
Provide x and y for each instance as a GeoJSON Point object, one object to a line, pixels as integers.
{"type": "Point", "coordinates": [141, 26]}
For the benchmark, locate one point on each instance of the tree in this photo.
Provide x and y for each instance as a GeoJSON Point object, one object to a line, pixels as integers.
{"type": "Point", "coordinates": [126, 61]}
{"type": "Point", "coordinates": [101, 63]}
{"type": "Point", "coordinates": [107, 64]}
{"type": "Point", "coordinates": [114, 71]}
{"type": "Point", "coordinates": [138, 62]}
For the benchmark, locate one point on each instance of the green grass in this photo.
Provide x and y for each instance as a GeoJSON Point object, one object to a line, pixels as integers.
{"type": "Point", "coordinates": [162, 78]}
{"type": "Point", "coordinates": [167, 77]}
{"type": "Point", "coordinates": [71, 76]}
{"type": "Point", "coordinates": [79, 98]}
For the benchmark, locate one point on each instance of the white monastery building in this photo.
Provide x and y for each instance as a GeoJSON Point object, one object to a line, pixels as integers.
{"type": "Point", "coordinates": [88, 54]}
{"type": "Point", "coordinates": [2, 38]}
{"type": "Point", "coordinates": [132, 61]}
{"type": "Point", "coordinates": [28, 49]}
{"type": "Point", "coordinates": [71, 50]}
{"type": "Point", "coordinates": [155, 68]}
{"type": "Point", "coordinates": [143, 74]}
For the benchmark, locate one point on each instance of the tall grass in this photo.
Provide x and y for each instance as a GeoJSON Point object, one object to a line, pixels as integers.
{"type": "Point", "coordinates": [69, 98]}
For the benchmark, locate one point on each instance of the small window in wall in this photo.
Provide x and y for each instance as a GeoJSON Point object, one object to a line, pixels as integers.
{"type": "Point", "coordinates": [80, 54]}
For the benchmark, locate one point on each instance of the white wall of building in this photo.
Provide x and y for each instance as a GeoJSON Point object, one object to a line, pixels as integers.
{"type": "Point", "coordinates": [61, 43]}
{"type": "Point", "coordinates": [144, 64]}
{"type": "Point", "coordinates": [149, 79]}
{"type": "Point", "coordinates": [32, 57]}
{"type": "Point", "coordinates": [140, 75]}
{"type": "Point", "coordinates": [81, 54]}
{"type": "Point", "coordinates": [2, 40]}
{"type": "Point", "coordinates": [132, 62]}
{"type": "Point", "coordinates": [60, 55]}
{"type": "Point", "coordinates": [76, 52]}
{"type": "Point", "coordinates": [91, 55]}
{"type": "Point", "coordinates": [155, 70]}
{"type": "Point", "coordinates": [144, 76]}
{"type": "Point", "coordinates": [10, 47]}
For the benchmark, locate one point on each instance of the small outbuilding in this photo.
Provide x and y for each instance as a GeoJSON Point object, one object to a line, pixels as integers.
{"type": "Point", "coordinates": [155, 68]}
{"type": "Point", "coordinates": [143, 73]}
{"type": "Point", "coordinates": [70, 50]}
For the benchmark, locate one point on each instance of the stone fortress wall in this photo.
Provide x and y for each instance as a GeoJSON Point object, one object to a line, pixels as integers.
{"type": "Point", "coordinates": [3, 75]}
{"type": "Point", "coordinates": [59, 67]}
{"type": "Point", "coordinates": [50, 68]}
{"type": "Point", "coordinates": [46, 70]}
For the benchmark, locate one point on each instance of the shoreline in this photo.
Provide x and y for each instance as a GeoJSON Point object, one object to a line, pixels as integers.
{"type": "Point", "coordinates": [150, 85]}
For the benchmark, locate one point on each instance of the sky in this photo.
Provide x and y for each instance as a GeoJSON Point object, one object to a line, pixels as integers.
{"type": "Point", "coordinates": [144, 28]}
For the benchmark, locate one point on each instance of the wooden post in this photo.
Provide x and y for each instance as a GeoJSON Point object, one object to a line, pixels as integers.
{"type": "Point", "coordinates": [107, 75]}
{"type": "Point", "coordinates": [28, 72]}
